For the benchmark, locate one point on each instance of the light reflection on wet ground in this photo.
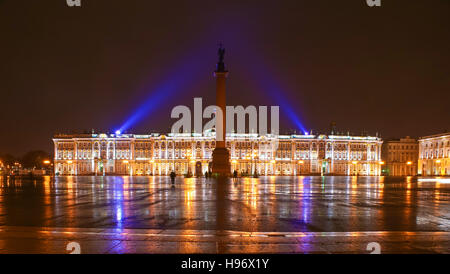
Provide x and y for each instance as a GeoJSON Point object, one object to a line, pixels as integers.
{"type": "Point", "coordinates": [268, 214]}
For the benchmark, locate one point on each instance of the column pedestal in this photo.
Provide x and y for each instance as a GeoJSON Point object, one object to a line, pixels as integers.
{"type": "Point", "coordinates": [221, 166]}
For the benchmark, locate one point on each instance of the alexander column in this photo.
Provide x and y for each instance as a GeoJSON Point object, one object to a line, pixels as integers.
{"type": "Point", "coordinates": [221, 156]}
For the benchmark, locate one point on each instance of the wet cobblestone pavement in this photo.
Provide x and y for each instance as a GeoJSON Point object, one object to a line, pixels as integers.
{"type": "Point", "coordinates": [197, 215]}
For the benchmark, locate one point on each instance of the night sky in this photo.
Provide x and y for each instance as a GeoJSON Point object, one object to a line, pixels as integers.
{"type": "Point", "coordinates": [69, 70]}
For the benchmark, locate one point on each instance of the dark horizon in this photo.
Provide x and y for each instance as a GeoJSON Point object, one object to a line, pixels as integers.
{"type": "Point", "coordinates": [64, 69]}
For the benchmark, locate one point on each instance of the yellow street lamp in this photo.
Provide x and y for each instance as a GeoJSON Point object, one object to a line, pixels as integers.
{"type": "Point", "coordinates": [354, 162]}
{"type": "Point", "coordinates": [409, 163]}
{"type": "Point", "coordinates": [301, 162]}
{"type": "Point", "coordinates": [69, 162]}
{"type": "Point", "coordinates": [438, 161]}
{"type": "Point", "coordinates": [381, 162]}
{"type": "Point", "coordinates": [47, 162]}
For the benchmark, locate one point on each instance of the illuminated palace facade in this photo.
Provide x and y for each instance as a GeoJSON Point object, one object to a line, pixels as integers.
{"type": "Point", "coordinates": [434, 155]}
{"type": "Point", "coordinates": [157, 154]}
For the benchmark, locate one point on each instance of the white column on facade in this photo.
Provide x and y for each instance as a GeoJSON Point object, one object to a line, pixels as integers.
{"type": "Point", "coordinates": [92, 158]}
{"type": "Point", "coordinates": [332, 157]}
{"type": "Point", "coordinates": [348, 159]}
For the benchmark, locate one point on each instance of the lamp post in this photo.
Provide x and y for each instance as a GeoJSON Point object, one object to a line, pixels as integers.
{"type": "Point", "coordinates": [69, 164]}
{"type": "Point", "coordinates": [266, 161]}
{"type": "Point", "coordinates": [409, 163]}
{"type": "Point", "coordinates": [47, 164]}
{"type": "Point", "coordinates": [300, 163]}
{"type": "Point", "coordinates": [152, 162]}
{"type": "Point", "coordinates": [255, 159]}
{"type": "Point", "coordinates": [126, 165]}
{"type": "Point", "coordinates": [273, 162]}
{"type": "Point", "coordinates": [234, 164]}
{"type": "Point", "coordinates": [355, 166]}
{"type": "Point", "coordinates": [189, 155]}
{"type": "Point", "coordinates": [173, 159]}
{"type": "Point", "coordinates": [252, 165]}
{"type": "Point", "coordinates": [249, 159]}
{"type": "Point", "coordinates": [438, 168]}
{"type": "Point", "coordinates": [381, 164]}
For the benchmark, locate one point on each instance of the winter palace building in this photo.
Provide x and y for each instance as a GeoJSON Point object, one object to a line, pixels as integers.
{"type": "Point", "coordinates": [158, 154]}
